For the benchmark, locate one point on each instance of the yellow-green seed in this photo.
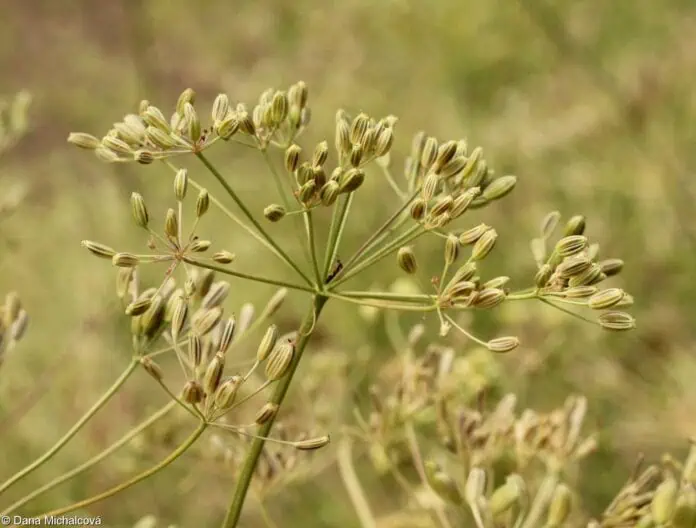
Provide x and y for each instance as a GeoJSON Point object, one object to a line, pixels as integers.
{"type": "Point", "coordinates": [268, 342]}
{"type": "Point", "coordinates": [202, 203]}
{"type": "Point", "coordinates": [85, 141]}
{"type": "Point", "coordinates": [453, 167]}
{"type": "Point", "coordinates": [685, 510]}
{"type": "Point", "coordinates": [125, 260]}
{"type": "Point", "coordinates": [489, 298]}
{"type": "Point", "coordinates": [279, 360]}
{"type": "Point", "coordinates": [116, 144]}
{"type": "Point", "coordinates": [575, 226]}
{"type": "Point", "coordinates": [153, 319]}
{"type": "Point", "coordinates": [227, 334]}
{"type": "Point", "coordinates": [580, 292]}
{"type": "Point", "coordinates": [227, 127]}
{"type": "Point", "coordinates": [152, 368]}
{"type": "Point", "coordinates": [100, 250]}
{"type": "Point", "coordinates": [215, 295]}
{"type": "Point", "coordinates": [559, 508]}
{"type": "Point", "coordinates": [475, 485]}
{"type": "Point", "coordinates": [221, 107]}
{"type": "Point", "coordinates": [384, 142]}
{"type": "Point", "coordinates": [138, 307]}
{"type": "Point", "coordinates": [451, 249]}
{"type": "Point", "coordinates": [499, 188]}
{"type": "Point", "coordinates": [205, 320]}
{"type": "Point", "coordinates": [417, 209]}
{"type": "Point", "coordinates": [179, 317]}
{"type": "Point", "coordinates": [442, 483]}
{"type": "Point", "coordinates": [664, 501]}
{"type": "Point", "coordinates": [161, 139]}
{"type": "Point", "coordinates": [504, 498]}
{"type": "Point", "coordinates": [223, 257]}
{"type": "Point", "coordinates": [351, 180]}
{"type": "Point", "coordinates": [611, 267]}
{"type": "Point", "coordinates": [406, 259]}
{"type": "Point", "coordinates": [321, 152]}
{"type": "Point", "coordinates": [572, 266]}
{"type": "Point", "coordinates": [470, 236]}
{"type": "Point", "coordinates": [617, 321]}
{"type": "Point", "coordinates": [154, 117]}
{"type": "Point", "coordinates": [312, 443]}
{"type": "Point", "coordinates": [171, 224]}
{"type": "Point", "coordinates": [200, 246]}
{"type": "Point", "coordinates": [329, 192]}
{"type": "Point", "coordinates": [502, 345]}
{"type": "Point", "coordinates": [292, 157]}
{"type": "Point", "coordinates": [549, 224]}
{"type": "Point", "coordinates": [192, 392]}
{"type": "Point", "coordinates": [606, 299]}
{"type": "Point", "coordinates": [570, 245]}
{"type": "Point", "coordinates": [308, 192]}
{"type": "Point", "coordinates": [266, 413]}
{"type": "Point", "coordinates": [275, 302]}
{"type": "Point", "coordinates": [463, 201]}
{"type": "Point", "coordinates": [429, 153]}
{"type": "Point", "coordinates": [484, 245]}
{"type": "Point", "coordinates": [226, 393]}
{"type": "Point", "coordinates": [213, 374]}
{"type": "Point", "coordinates": [181, 184]}
{"type": "Point", "coordinates": [430, 185]}
{"type": "Point", "coordinates": [497, 282]}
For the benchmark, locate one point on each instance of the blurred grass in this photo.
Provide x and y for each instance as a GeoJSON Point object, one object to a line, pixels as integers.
{"type": "Point", "coordinates": [591, 104]}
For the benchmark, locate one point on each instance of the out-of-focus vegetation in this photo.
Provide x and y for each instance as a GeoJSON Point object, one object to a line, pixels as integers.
{"type": "Point", "coordinates": [592, 104]}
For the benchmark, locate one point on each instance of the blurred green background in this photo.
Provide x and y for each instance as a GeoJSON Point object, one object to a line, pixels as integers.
{"type": "Point", "coordinates": [592, 104]}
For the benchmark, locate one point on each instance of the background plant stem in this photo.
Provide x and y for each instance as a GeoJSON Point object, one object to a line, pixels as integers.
{"type": "Point", "coordinates": [75, 429]}
{"type": "Point", "coordinates": [240, 491]}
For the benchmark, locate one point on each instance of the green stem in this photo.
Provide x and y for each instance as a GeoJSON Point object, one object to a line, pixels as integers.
{"type": "Point", "coordinates": [352, 484]}
{"type": "Point", "coordinates": [92, 461]}
{"type": "Point", "coordinates": [75, 429]}
{"type": "Point", "coordinates": [246, 276]}
{"type": "Point", "coordinates": [247, 472]}
{"type": "Point", "coordinates": [250, 217]}
{"type": "Point", "coordinates": [338, 223]}
{"type": "Point", "coordinates": [138, 478]}
{"type": "Point", "coordinates": [405, 238]}
{"type": "Point", "coordinates": [311, 240]}
{"type": "Point", "coordinates": [377, 235]}
{"type": "Point", "coordinates": [388, 296]}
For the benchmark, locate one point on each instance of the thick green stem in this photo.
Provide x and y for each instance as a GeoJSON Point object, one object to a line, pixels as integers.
{"type": "Point", "coordinates": [250, 216]}
{"type": "Point", "coordinates": [92, 461]}
{"type": "Point", "coordinates": [247, 472]}
{"type": "Point", "coordinates": [75, 429]}
{"type": "Point", "coordinates": [138, 478]}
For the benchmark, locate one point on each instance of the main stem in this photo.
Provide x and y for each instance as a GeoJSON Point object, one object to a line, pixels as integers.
{"type": "Point", "coordinates": [75, 428]}
{"type": "Point", "coordinates": [237, 500]}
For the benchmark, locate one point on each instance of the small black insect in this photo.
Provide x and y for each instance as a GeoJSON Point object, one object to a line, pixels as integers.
{"type": "Point", "coordinates": [337, 268]}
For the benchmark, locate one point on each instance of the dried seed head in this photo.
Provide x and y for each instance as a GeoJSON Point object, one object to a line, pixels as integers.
{"type": "Point", "coordinates": [226, 393]}
{"type": "Point", "coordinates": [570, 245]}
{"type": "Point", "coordinates": [575, 226]}
{"type": "Point", "coordinates": [292, 157]}
{"type": "Point", "coordinates": [617, 321]}
{"type": "Point", "coordinates": [329, 192]}
{"type": "Point", "coordinates": [202, 203]}
{"type": "Point", "coordinates": [279, 360]}
{"type": "Point", "coordinates": [312, 443]}
{"type": "Point", "coordinates": [267, 343]}
{"type": "Point", "coordinates": [559, 508]}
{"type": "Point", "coordinates": [205, 320]}
{"type": "Point", "coordinates": [171, 225]}
{"type": "Point", "coordinates": [470, 236]}
{"type": "Point", "coordinates": [181, 184]}
{"type": "Point", "coordinates": [266, 413]}
{"type": "Point", "coordinates": [417, 210]}
{"type": "Point", "coordinates": [406, 259]}
{"type": "Point", "coordinates": [100, 250]}
{"type": "Point", "coordinates": [224, 257]}
{"type": "Point", "coordinates": [152, 368]}
{"type": "Point", "coordinates": [125, 260]}
{"type": "Point", "coordinates": [606, 299]}
{"type": "Point", "coordinates": [664, 501]}
{"type": "Point", "coordinates": [484, 245]}
{"type": "Point", "coordinates": [85, 141]}
{"type": "Point", "coordinates": [192, 392]}
{"type": "Point", "coordinates": [451, 249]}
{"type": "Point", "coordinates": [213, 374]}
{"type": "Point", "coordinates": [502, 345]}
{"type": "Point", "coordinates": [499, 188]}
{"type": "Point", "coordinates": [227, 334]}
{"type": "Point", "coordinates": [274, 212]}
